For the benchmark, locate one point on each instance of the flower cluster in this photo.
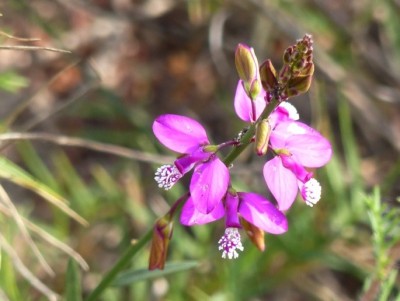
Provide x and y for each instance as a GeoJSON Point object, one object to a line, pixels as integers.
{"type": "Point", "coordinates": [290, 147]}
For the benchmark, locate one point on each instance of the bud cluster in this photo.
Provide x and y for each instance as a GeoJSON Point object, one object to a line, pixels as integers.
{"type": "Point", "coordinates": [295, 75]}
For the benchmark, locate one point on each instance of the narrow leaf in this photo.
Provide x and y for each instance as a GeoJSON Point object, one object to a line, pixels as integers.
{"type": "Point", "coordinates": [129, 277]}
{"type": "Point", "coordinates": [73, 291]}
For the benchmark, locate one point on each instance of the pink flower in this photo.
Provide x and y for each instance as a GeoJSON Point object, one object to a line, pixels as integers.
{"type": "Point", "coordinates": [253, 207]}
{"type": "Point", "coordinates": [296, 146]}
{"type": "Point", "coordinates": [210, 177]}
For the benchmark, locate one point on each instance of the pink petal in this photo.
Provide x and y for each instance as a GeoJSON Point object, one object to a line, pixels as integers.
{"type": "Point", "coordinates": [260, 212]}
{"type": "Point", "coordinates": [231, 205]}
{"type": "Point", "coordinates": [280, 114]}
{"type": "Point", "coordinates": [297, 169]}
{"type": "Point", "coordinates": [179, 133]}
{"type": "Point", "coordinates": [286, 129]}
{"type": "Point", "coordinates": [280, 133]}
{"type": "Point", "coordinates": [243, 105]}
{"type": "Point", "coordinates": [191, 216]}
{"type": "Point", "coordinates": [209, 184]}
{"type": "Point", "coordinates": [307, 145]}
{"type": "Point", "coordinates": [187, 162]}
{"type": "Point", "coordinates": [281, 182]}
{"type": "Point", "coordinates": [311, 150]}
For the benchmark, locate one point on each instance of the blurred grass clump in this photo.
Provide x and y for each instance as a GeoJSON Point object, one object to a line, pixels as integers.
{"type": "Point", "coordinates": [78, 155]}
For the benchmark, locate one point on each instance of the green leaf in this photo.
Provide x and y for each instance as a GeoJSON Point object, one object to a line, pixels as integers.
{"type": "Point", "coordinates": [81, 196]}
{"type": "Point", "coordinates": [129, 277]}
{"type": "Point", "coordinates": [35, 164]}
{"type": "Point", "coordinates": [73, 291]}
{"type": "Point", "coordinates": [12, 82]}
{"type": "Point", "coordinates": [15, 174]}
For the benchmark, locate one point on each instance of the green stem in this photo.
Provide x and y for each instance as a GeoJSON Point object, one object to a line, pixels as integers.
{"type": "Point", "coordinates": [246, 139]}
{"type": "Point", "coordinates": [122, 263]}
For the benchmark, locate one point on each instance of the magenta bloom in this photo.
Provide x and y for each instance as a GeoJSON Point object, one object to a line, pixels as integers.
{"type": "Point", "coordinates": [253, 207]}
{"type": "Point", "coordinates": [297, 146]}
{"type": "Point", "coordinates": [188, 137]}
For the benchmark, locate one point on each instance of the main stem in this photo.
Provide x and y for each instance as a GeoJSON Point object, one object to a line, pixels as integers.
{"type": "Point", "coordinates": [246, 139]}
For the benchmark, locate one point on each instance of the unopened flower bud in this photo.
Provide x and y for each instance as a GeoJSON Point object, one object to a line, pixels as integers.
{"type": "Point", "coordinates": [298, 85]}
{"type": "Point", "coordinates": [247, 68]}
{"type": "Point", "coordinates": [255, 234]}
{"type": "Point", "coordinates": [263, 131]}
{"type": "Point", "coordinates": [285, 74]}
{"type": "Point", "coordinates": [254, 88]}
{"type": "Point", "coordinates": [287, 55]}
{"type": "Point", "coordinates": [162, 234]}
{"type": "Point", "coordinates": [308, 69]}
{"type": "Point", "coordinates": [268, 76]}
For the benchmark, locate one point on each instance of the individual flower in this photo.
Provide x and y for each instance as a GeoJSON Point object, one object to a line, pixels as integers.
{"type": "Point", "coordinates": [296, 146]}
{"type": "Point", "coordinates": [252, 207]}
{"type": "Point", "coordinates": [186, 136]}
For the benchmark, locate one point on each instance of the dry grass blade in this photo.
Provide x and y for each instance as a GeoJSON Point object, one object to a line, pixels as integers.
{"type": "Point", "coordinates": [49, 238]}
{"type": "Point", "coordinates": [93, 145]}
{"type": "Point", "coordinates": [48, 114]}
{"type": "Point", "coordinates": [21, 108]}
{"type": "Point", "coordinates": [24, 271]}
{"type": "Point", "coordinates": [2, 33]}
{"type": "Point", "coordinates": [21, 225]}
{"type": "Point", "coordinates": [3, 296]}
{"type": "Point", "coordinates": [32, 48]}
{"type": "Point", "coordinates": [15, 174]}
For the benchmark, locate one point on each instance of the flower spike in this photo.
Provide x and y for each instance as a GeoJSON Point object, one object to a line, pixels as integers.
{"type": "Point", "coordinates": [293, 149]}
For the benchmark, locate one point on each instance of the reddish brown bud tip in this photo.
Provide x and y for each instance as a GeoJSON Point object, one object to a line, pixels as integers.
{"type": "Point", "coordinates": [162, 234]}
{"type": "Point", "coordinates": [255, 234]}
{"type": "Point", "coordinates": [298, 85]}
{"type": "Point", "coordinates": [268, 76]}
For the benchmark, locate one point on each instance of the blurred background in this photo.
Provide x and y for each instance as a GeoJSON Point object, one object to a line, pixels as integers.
{"type": "Point", "coordinates": [130, 61]}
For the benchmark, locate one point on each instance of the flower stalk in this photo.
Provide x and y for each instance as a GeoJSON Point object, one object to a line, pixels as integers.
{"type": "Point", "coordinates": [248, 136]}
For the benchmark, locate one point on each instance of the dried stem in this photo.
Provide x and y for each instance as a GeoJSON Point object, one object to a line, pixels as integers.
{"type": "Point", "coordinates": [24, 271]}
{"type": "Point", "coordinates": [2, 33]}
{"type": "Point", "coordinates": [21, 107]}
{"type": "Point", "coordinates": [49, 238]}
{"type": "Point", "coordinates": [32, 48]}
{"type": "Point", "coordinates": [92, 145]}
{"type": "Point", "coordinates": [21, 225]}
